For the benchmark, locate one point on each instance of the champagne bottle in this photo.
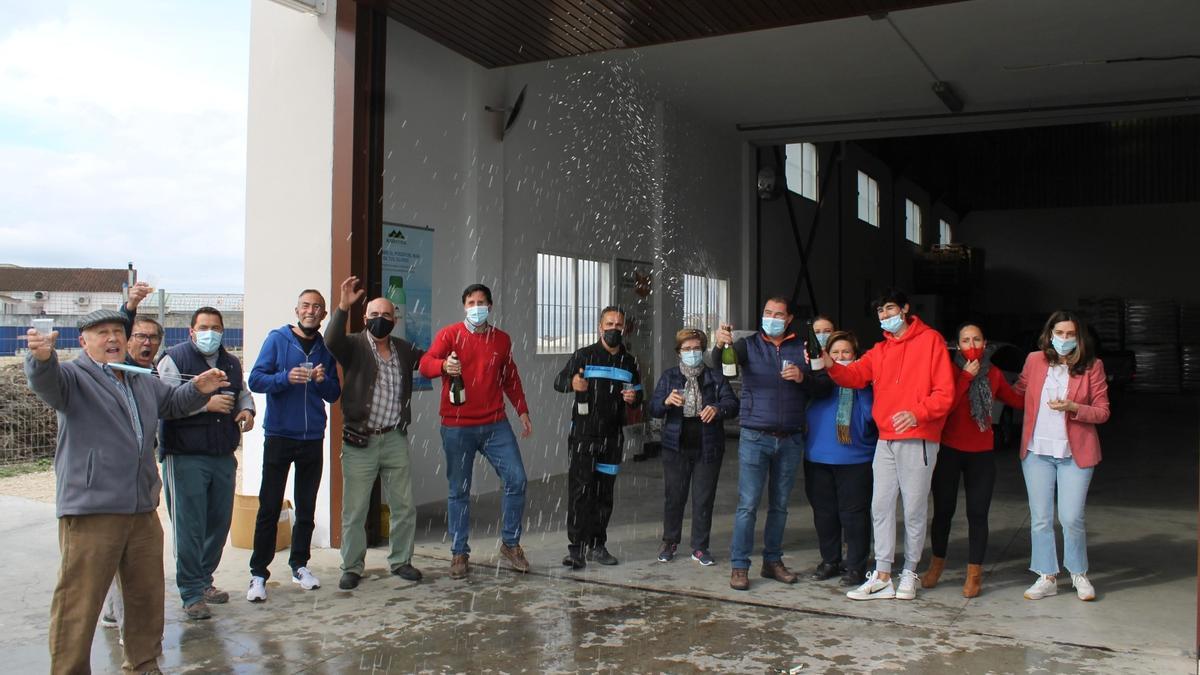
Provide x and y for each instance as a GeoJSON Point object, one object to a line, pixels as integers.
{"type": "Point", "coordinates": [458, 392]}
{"type": "Point", "coordinates": [813, 348]}
{"type": "Point", "coordinates": [728, 361]}
{"type": "Point", "coordinates": [399, 298]}
{"type": "Point", "coordinates": [581, 399]}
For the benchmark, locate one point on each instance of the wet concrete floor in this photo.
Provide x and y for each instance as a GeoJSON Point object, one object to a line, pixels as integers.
{"type": "Point", "coordinates": [644, 616]}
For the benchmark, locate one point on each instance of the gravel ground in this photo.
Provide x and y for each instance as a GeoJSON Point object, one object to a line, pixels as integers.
{"type": "Point", "coordinates": [37, 486]}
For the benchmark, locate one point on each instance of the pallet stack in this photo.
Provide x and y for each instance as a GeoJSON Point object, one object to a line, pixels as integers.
{"type": "Point", "coordinates": [1152, 333]}
{"type": "Point", "coordinates": [1107, 316]}
{"type": "Point", "coordinates": [1189, 348]}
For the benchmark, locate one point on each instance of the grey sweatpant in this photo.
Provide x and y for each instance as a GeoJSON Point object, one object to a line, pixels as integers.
{"type": "Point", "coordinates": [903, 467]}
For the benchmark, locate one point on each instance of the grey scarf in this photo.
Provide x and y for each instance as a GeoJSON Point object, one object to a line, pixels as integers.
{"type": "Point", "coordinates": [980, 391]}
{"type": "Point", "coordinates": [692, 402]}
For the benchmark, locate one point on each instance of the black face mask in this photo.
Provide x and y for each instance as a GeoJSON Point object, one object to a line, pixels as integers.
{"type": "Point", "coordinates": [380, 326]}
{"type": "Point", "coordinates": [308, 332]}
{"type": "Point", "coordinates": [613, 338]}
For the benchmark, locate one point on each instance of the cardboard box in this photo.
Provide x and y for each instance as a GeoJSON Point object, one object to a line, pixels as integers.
{"type": "Point", "coordinates": [245, 512]}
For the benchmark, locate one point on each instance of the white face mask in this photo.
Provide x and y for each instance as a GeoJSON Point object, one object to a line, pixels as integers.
{"type": "Point", "coordinates": [845, 362]}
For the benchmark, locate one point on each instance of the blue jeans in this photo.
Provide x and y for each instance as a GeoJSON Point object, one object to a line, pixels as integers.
{"type": "Point", "coordinates": [768, 460]}
{"type": "Point", "coordinates": [497, 443]}
{"type": "Point", "coordinates": [1042, 475]}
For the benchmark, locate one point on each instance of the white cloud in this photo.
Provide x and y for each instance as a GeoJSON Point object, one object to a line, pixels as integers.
{"type": "Point", "coordinates": [123, 136]}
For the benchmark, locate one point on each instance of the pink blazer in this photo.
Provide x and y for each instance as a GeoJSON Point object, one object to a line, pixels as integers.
{"type": "Point", "coordinates": [1089, 390]}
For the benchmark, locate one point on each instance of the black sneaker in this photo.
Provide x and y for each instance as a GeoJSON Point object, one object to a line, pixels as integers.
{"type": "Point", "coordinates": [574, 558]}
{"type": "Point", "coordinates": [408, 572]}
{"type": "Point", "coordinates": [853, 577]}
{"type": "Point", "coordinates": [701, 556]}
{"type": "Point", "coordinates": [349, 581]}
{"type": "Point", "coordinates": [667, 552]}
{"type": "Point", "coordinates": [600, 554]}
{"type": "Point", "coordinates": [827, 570]}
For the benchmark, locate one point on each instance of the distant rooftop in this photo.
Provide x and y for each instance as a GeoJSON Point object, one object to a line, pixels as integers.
{"type": "Point", "coordinates": [60, 279]}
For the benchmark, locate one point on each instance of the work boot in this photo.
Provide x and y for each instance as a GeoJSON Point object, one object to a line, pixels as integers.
{"type": "Point", "coordinates": [776, 570]}
{"type": "Point", "coordinates": [974, 582]}
{"type": "Point", "coordinates": [215, 596]}
{"type": "Point", "coordinates": [739, 580]}
{"type": "Point", "coordinates": [458, 566]}
{"type": "Point", "coordinates": [407, 572]}
{"type": "Point", "coordinates": [515, 556]}
{"type": "Point", "coordinates": [197, 611]}
{"type": "Point", "coordinates": [931, 576]}
{"type": "Point", "coordinates": [574, 558]}
{"type": "Point", "coordinates": [349, 581]}
{"type": "Point", "coordinates": [599, 554]}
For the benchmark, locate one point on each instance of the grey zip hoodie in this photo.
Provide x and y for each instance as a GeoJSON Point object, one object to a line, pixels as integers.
{"type": "Point", "coordinates": [99, 466]}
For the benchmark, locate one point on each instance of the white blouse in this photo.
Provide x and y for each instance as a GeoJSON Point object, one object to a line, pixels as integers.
{"type": "Point", "coordinates": [1050, 431]}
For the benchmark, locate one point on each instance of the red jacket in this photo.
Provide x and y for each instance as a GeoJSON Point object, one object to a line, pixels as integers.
{"type": "Point", "coordinates": [1089, 390]}
{"type": "Point", "coordinates": [488, 371]}
{"type": "Point", "coordinates": [961, 431]}
{"type": "Point", "coordinates": [912, 372]}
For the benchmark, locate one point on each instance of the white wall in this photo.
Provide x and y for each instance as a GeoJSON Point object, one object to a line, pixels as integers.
{"type": "Point", "coordinates": [598, 165]}
{"type": "Point", "coordinates": [289, 157]}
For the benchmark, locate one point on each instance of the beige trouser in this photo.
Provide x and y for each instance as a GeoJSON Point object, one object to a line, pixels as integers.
{"type": "Point", "coordinates": [93, 549]}
{"type": "Point", "coordinates": [385, 456]}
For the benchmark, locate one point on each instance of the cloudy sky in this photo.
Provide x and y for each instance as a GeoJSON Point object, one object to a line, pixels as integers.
{"type": "Point", "coordinates": [123, 137]}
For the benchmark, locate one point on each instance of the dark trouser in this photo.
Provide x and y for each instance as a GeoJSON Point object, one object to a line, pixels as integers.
{"type": "Point", "coordinates": [681, 468]}
{"type": "Point", "coordinates": [199, 492]}
{"type": "Point", "coordinates": [590, 492]}
{"type": "Point", "coordinates": [978, 470]}
{"type": "Point", "coordinates": [279, 454]}
{"type": "Point", "coordinates": [840, 496]}
{"type": "Point", "coordinates": [93, 549]}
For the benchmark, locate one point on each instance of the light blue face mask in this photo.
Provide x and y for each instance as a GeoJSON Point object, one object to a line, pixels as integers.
{"type": "Point", "coordinates": [823, 339]}
{"type": "Point", "coordinates": [477, 315]}
{"type": "Point", "coordinates": [208, 341]}
{"type": "Point", "coordinates": [691, 359]}
{"type": "Point", "coordinates": [1063, 346]}
{"type": "Point", "coordinates": [773, 327]}
{"type": "Point", "coordinates": [892, 323]}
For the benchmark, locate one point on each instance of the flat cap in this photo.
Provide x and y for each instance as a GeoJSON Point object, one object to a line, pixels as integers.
{"type": "Point", "coordinates": [98, 317]}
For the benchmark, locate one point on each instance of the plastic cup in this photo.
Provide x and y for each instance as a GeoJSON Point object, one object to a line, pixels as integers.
{"type": "Point", "coordinates": [43, 326]}
{"type": "Point", "coordinates": [786, 363]}
{"type": "Point", "coordinates": [308, 368]}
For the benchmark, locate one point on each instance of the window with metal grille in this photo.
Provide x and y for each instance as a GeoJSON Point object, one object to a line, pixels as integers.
{"type": "Point", "coordinates": [868, 199]}
{"type": "Point", "coordinates": [705, 302]}
{"type": "Point", "coordinates": [945, 236]}
{"type": "Point", "coordinates": [800, 168]}
{"type": "Point", "coordinates": [570, 294]}
{"type": "Point", "coordinates": [912, 222]}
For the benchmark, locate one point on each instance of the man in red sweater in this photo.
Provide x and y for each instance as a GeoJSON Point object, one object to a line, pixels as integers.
{"type": "Point", "coordinates": [913, 381]}
{"type": "Point", "coordinates": [482, 356]}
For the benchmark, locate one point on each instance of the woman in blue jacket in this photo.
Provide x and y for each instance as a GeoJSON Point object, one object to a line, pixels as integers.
{"type": "Point", "coordinates": [694, 400]}
{"type": "Point", "coordinates": [837, 471]}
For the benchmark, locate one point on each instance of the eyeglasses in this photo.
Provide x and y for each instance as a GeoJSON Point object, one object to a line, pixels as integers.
{"type": "Point", "coordinates": [146, 337]}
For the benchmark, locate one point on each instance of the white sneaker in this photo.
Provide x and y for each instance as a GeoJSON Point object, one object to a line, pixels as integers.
{"type": "Point", "coordinates": [1045, 586]}
{"type": "Point", "coordinates": [258, 590]}
{"type": "Point", "coordinates": [907, 590]}
{"type": "Point", "coordinates": [873, 589]}
{"type": "Point", "coordinates": [1083, 587]}
{"type": "Point", "coordinates": [305, 578]}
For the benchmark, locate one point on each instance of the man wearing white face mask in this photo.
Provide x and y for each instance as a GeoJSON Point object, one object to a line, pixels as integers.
{"type": "Point", "coordinates": [199, 467]}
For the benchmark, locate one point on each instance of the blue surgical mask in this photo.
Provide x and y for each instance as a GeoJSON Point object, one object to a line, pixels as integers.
{"type": "Point", "coordinates": [1063, 346]}
{"type": "Point", "coordinates": [691, 359]}
{"type": "Point", "coordinates": [892, 323]}
{"type": "Point", "coordinates": [477, 315]}
{"type": "Point", "coordinates": [823, 339]}
{"type": "Point", "coordinates": [773, 327]}
{"type": "Point", "coordinates": [208, 341]}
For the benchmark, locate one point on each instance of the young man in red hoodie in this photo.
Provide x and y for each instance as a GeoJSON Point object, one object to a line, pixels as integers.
{"type": "Point", "coordinates": [913, 380]}
{"type": "Point", "coordinates": [482, 355]}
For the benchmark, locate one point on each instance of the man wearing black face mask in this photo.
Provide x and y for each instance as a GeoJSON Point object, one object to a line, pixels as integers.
{"type": "Point", "coordinates": [605, 380]}
{"type": "Point", "coordinates": [378, 370]}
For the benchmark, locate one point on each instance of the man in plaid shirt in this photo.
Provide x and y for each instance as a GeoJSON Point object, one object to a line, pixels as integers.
{"type": "Point", "coordinates": [376, 394]}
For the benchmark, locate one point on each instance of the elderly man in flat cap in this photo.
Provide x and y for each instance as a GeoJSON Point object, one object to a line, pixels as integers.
{"type": "Point", "coordinates": [107, 486]}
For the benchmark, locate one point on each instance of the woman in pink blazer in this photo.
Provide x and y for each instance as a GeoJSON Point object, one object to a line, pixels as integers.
{"type": "Point", "coordinates": [1066, 396]}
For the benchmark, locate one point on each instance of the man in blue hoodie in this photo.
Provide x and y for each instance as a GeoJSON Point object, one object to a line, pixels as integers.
{"type": "Point", "coordinates": [298, 375]}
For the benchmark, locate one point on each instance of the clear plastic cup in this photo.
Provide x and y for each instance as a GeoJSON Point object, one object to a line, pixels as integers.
{"type": "Point", "coordinates": [786, 363]}
{"type": "Point", "coordinates": [43, 326]}
{"type": "Point", "coordinates": [308, 368]}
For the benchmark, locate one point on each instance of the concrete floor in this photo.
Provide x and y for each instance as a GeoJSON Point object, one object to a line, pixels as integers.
{"type": "Point", "coordinates": [644, 616]}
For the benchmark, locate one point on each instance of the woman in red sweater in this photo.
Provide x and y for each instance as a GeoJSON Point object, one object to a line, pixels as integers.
{"type": "Point", "coordinates": [967, 451]}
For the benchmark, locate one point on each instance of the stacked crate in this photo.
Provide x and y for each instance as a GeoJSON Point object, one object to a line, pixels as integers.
{"type": "Point", "coordinates": [1189, 349]}
{"type": "Point", "coordinates": [1107, 317]}
{"type": "Point", "coordinates": [1152, 333]}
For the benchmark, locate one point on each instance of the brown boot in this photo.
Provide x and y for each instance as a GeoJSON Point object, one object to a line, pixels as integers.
{"type": "Point", "coordinates": [459, 567]}
{"type": "Point", "coordinates": [931, 576]}
{"type": "Point", "coordinates": [775, 570]}
{"type": "Point", "coordinates": [739, 580]}
{"type": "Point", "coordinates": [515, 556]}
{"type": "Point", "coordinates": [974, 581]}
